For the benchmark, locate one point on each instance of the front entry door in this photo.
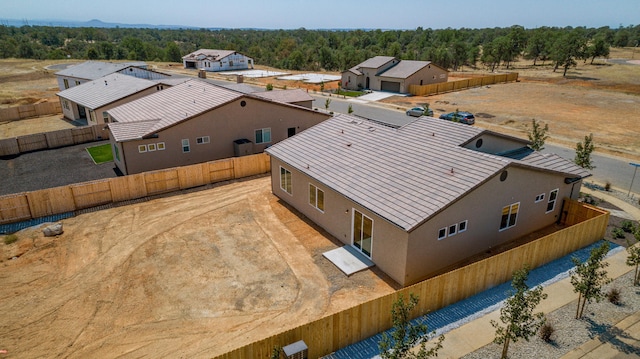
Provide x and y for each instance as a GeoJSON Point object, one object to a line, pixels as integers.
{"type": "Point", "coordinates": [362, 237]}
{"type": "Point", "coordinates": [82, 112]}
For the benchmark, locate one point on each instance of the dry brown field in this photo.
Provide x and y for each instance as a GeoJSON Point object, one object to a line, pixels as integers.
{"type": "Point", "coordinates": [198, 274]}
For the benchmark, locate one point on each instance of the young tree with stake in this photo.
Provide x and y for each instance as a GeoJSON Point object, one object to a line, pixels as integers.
{"type": "Point", "coordinates": [517, 313]}
{"type": "Point", "coordinates": [589, 277]}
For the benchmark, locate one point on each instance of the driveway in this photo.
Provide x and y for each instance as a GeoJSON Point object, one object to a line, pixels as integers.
{"type": "Point", "coordinates": [51, 168]}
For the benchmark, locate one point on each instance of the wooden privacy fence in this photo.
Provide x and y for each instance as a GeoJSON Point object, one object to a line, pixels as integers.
{"type": "Point", "coordinates": [27, 111]}
{"type": "Point", "coordinates": [434, 89]}
{"type": "Point", "coordinates": [28, 205]}
{"type": "Point", "coordinates": [54, 139]}
{"type": "Point", "coordinates": [328, 334]}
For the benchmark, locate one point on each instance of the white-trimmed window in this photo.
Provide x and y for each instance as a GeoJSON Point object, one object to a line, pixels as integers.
{"type": "Point", "coordinates": [553, 196]}
{"type": "Point", "coordinates": [151, 147]}
{"type": "Point", "coordinates": [161, 146]}
{"type": "Point", "coordinates": [202, 140]}
{"type": "Point", "coordinates": [462, 226]}
{"type": "Point", "coordinates": [263, 135]}
{"type": "Point", "coordinates": [442, 233]}
{"type": "Point", "coordinates": [540, 197]}
{"type": "Point", "coordinates": [66, 83]}
{"type": "Point", "coordinates": [285, 180]}
{"type": "Point", "coordinates": [116, 151]}
{"type": "Point", "coordinates": [185, 146]}
{"type": "Point", "coordinates": [316, 197]}
{"type": "Point", "coordinates": [142, 148]}
{"type": "Point", "coordinates": [453, 230]}
{"type": "Point", "coordinates": [509, 216]}
{"type": "Point", "coordinates": [105, 117]}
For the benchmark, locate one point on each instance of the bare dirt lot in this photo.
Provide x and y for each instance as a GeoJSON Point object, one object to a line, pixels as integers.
{"type": "Point", "coordinates": [188, 276]}
{"type": "Point", "coordinates": [199, 274]}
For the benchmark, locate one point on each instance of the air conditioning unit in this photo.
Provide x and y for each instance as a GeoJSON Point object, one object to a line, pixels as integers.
{"type": "Point", "coordinates": [297, 350]}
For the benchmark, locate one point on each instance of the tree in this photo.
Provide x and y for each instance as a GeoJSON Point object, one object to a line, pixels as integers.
{"type": "Point", "coordinates": [583, 152]}
{"type": "Point", "coordinates": [634, 257]}
{"type": "Point", "coordinates": [269, 87]}
{"type": "Point", "coordinates": [567, 48]}
{"type": "Point", "coordinates": [589, 277]}
{"type": "Point", "coordinates": [172, 52]}
{"type": "Point", "coordinates": [406, 335]}
{"type": "Point", "coordinates": [537, 135]}
{"type": "Point", "coordinates": [326, 103]}
{"type": "Point", "coordinates": [350, 109]}
{"type": "Point", "coordinates": [517, 313]}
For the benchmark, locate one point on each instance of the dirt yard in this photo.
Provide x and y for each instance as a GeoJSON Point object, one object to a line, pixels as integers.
{"type": "Point", "coordinates": [198, 274]}
{"type": "Point", "coordinates": [187, 276]}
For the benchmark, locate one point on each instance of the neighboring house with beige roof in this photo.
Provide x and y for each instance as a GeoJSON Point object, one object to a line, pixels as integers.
{"type": "Point", "coordinates": [91, 70]}
{"type": "Point", "coordinates": [386, 73]}
{"type": "Point", "coordinates": [217, 60]}
{"type": "Point", "coordinates": [297, 97]}
{"type": "Point", "coordinates": [420, 198]}
{"type": "Point", "coordinates": [91, 100]}
{"type": "Point", "coordinates": [196, 122]}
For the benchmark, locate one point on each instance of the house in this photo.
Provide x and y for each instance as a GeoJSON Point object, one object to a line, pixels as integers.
{"type": "Point", "coordinates": [421, 198]}
{"type": "Point", "coordinates": [386, 73]}
{"type": "Point", "coordinates": [92, 70]}
{"type": "Point", "coordinates": [196, 122]}
{"type": "Point", "coordinates": [217, 60]}
{"type": "Point", "coordinates": [92, 99]}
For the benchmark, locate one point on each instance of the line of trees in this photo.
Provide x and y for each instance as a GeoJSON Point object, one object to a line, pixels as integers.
{"type": "Point", "coordinates": [313, 50]}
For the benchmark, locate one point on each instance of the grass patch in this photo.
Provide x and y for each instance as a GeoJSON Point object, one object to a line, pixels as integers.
{"type": "Point", "coordinates": [349, 93]}
{"type": "Point", "coordinates": [11, 238]}
{"type": "Point", "coordinates": [101, 154]}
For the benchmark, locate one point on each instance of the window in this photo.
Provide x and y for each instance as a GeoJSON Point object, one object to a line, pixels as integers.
{"type": "Point", "coordinates": [202, 140]}
{"type": "Point", "coordinates": [117, 152]}
{"type": "Point", "coordinates": [553, 196]}
{"type": "Point", "coordinates": [160, 146]}
{"type": "Point", "coordinates": [105, 116]}
{"type": "Point", "coordinates": [77, 82]}
{"type": "Point", "coordinates": [462, 226]}
{"type": "Point", "coordinates": [142, 148]}
{"type": "Point", "coordinates": [185, 146]}
{"type": "Point", "coordinates": [316, 197]}
{"type": "Point", "coordinates": [540, 197]}
{"type": "Point", "coordinates": [65, 103]}
{"type": "Point", "coordinates": [362, 233]}
{"type": "Point", "coordinates": [263, 135]}
{"type": "Point", "coordinates": [285, 180]}
{"type": "Point", "coordinates": [453, 230]}
{"type": "Point", "coordinates": [66, 83]}
{"type": "Point", "coordinates": [151, 147]}
{"type": "Point", "coordinates": [442, 233]}
{"type": "Point", "coordinates": [509, 216]}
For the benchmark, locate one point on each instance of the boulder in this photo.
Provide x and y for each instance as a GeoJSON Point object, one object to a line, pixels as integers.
{"type": "Point", "coordinates": [53, 230]}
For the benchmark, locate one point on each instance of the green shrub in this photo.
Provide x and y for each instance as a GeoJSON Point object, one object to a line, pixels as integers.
{"type": "Point", "coordinates": [613, 295]}
{"type": "Point", "coordinates": [618, 233]}
{"type": "Point", "coordinates": [627, 226]}
{"type": "Point", "coordinates": [11, 238]}
{"type": "Point", "coordinates": [607, 186]}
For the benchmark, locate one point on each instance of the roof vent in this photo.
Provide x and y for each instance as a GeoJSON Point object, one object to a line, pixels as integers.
{"type": "Point", "coordinates": [297, 350]}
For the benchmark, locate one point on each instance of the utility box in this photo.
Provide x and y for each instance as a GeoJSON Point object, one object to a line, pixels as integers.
{"type": "Point", "coordinates": [297, 350]}
{"type": "Point", "coordinates": [242, 147]}
{"type": "Point", "coordinates": [202, 73]}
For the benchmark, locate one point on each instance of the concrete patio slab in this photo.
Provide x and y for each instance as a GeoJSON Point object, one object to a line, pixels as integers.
{"type": "Point", "coordinates": [348, 260]}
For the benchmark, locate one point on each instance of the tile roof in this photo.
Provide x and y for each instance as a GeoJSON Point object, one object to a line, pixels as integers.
{"type": "Point", "coordinates": [126, 131]}
{"type": "Point", "coordinates": [375, 62]}
{"type": "Point", "coordinates": [91, 70]}
{"type": "Point", "coordinates": [405, 175]}
{"type": "Point", "coordinates": [286, 96]}
{"type": "Point", "coordinates": [173, 105]}
{"type": "Point", "coordinates": [404, 69]}
{"type": "Point", "coordinates": [209, 53]}
{"type": "Point", "coordinates": [105, 90]}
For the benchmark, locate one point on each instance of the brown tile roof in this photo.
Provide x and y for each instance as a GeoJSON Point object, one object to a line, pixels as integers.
{"type": "Point", "coordinates": [406, 174]}
{"type": "Point", "coordinates": [173, 105]}
{"type": "Point", "coordinates": [211, 54]}
{"type": "Point", "coordinates": [405, 68]}
{"type": "Point", "coordinates": [105, 90]}
{"type": "Point", "coordinates": [286, 96]}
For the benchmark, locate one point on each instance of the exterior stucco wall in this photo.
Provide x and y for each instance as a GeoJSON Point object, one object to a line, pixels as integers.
{"type": "Point", "coordinates": [482, 208]}
{"type": "Point", "coordinates": [389, 245]}
{"type": "Point", "coordinates": [351, 81]}
{"type": "Point", "coordinates": [223, 126]}
{"type": "Point", "coordinates": [72, 81]}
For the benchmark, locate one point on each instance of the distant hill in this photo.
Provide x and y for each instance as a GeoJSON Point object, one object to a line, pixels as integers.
{"type": "Point", "coordinates": [90, 23]}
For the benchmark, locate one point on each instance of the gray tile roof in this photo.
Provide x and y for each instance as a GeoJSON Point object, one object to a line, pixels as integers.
{"type": "Point", "coordinates": [211, 54]}
{"type": "Point", "coordinates": [286, 96]}
{"type": "Point", "coordinates": [91, 70]}
{"type": "Point", "coordinates": [105, 90]}
{"type": "Point", "coordinates": [404, 69]}
{"type": "Point", "coordinates": [405, 175]}
{"type": "Point", "coordinates": [173, 105]}
{"type": "Point", "coordinates": [375, 62]}
{"type": "Point", "coordinates": [126, 131]}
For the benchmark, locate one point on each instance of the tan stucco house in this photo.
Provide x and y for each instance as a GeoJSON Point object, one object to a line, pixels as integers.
{"type": "Point", "coordinates": [420, 198]}
{"type": "Point", "coordinates": [386, 73]}
{"type": "Point", "coordinates": [196, 122]}
{"type": "Point", "coordinates": [90, 100]}
{"type": "Point", "coordinates": [217, 60]}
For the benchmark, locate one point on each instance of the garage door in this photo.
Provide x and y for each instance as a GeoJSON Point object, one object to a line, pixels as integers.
{"type": "Point", "coordinates": [390, 86]}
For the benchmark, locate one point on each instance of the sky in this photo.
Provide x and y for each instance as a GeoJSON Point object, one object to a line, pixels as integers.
{"type": "Point", "coordinates": [333, 14]}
